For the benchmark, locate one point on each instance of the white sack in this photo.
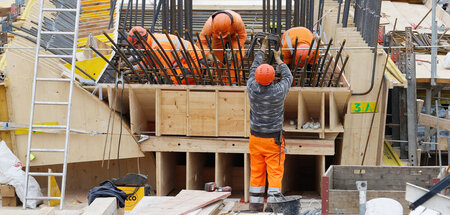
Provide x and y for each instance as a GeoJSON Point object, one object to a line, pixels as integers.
{"type": "Point", "coordinates": [11, 173]}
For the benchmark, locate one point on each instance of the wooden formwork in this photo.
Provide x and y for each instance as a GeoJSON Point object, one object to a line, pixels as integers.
{"type": "Point", "coordinates": [200, 133]}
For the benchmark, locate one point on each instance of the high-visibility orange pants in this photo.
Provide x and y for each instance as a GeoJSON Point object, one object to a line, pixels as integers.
{"type": "Point", "coordinates": [265, 157]}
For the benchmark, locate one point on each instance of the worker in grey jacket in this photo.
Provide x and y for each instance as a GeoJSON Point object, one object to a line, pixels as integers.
{"type": "Point", "coordinates": [266, 143]}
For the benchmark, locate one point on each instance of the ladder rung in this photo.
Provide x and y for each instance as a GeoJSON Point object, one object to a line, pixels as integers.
{"type": "Point", "coordinates": [44, 198]}
{"type": "Point", "coordinates": [59, 9]}
{"type": "Point", "coordinates": [50, 126]}
{"type": "Point", "coordinates": [51, 103]}
{"type": "Point", "coordinates": [53, 79]}
{"type": "Point", "coordinates": [58, 32]}
{"type": "Point", "coordinates": [45, 173]}
{"type": "Point", "coordinates": [54, 56]}
{"type": "Point", "coordinates": [47, 150]}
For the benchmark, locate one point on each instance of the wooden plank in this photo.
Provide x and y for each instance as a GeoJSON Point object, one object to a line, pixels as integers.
{"type": "Point", "coordinates": [173, 112]}
{"type": "Point", "coordinates": [137, 120]}
{"type": "Point", "coordinates": [231, 117]}
{"type": "Point", "coordinates": [195, 165]}
{"type": "Point", "coordinates": [224, 164]}
{"type": "Point", "coordinates": [186, 201]}
{"type": "Point", "coordinates": [102, 206]}
{"type": "Point", "coordinates": [246, 177]}
{"type": "Point", "coordinates": [149, 202]}
{"type": "Point", "coordinates": [211, 209]}
{"type": "Point", "coordinates": [165, 173]}
{"type": "Point", "coordinates": [232, 145]}
{"type": "Point", "coordinates": [429, 120]}
{"type": "Point", "coordinates": [4, 117]}
{"type": "Point", "coordinates": [383, 178]}
{"type": "Point", "coordinates": [439, 202]}
{"type": "Point", "coordinates": [320, 170]}
{"type": "Point", "coordinates": [202, 113]}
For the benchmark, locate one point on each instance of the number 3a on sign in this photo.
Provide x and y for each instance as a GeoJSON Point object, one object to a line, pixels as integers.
{"type": "Point", "coordinates": [363, 107]}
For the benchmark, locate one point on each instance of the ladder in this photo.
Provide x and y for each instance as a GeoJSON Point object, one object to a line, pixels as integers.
{"type": "Point", "coordinates": [42, 80]}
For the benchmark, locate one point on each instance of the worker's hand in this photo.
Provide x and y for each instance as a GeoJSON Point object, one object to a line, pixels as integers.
{"type": "Point", "coordinates": [277, 56]}
{"type": "Point", "coordinates": [210, 58]}
{"type": "Point", "coordinates": [264, 44]}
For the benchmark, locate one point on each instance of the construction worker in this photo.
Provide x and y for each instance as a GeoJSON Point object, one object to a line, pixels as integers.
{"type": "Point", "coordinates": [223, 22]}
{"type": "Point", "coordinates": [304, 38]}
{"type": "Point", "coordinates": [266, 143]}
{"type": "Point", "coordinates": [164, 42]}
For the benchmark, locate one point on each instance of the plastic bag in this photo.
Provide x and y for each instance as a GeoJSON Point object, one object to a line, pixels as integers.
{"type": "Point", "coordinates": [447, 61]}
{"type": "Point", "coordinates": [11, 173]}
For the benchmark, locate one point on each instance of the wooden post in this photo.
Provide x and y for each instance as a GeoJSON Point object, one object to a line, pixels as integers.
{"type": "Point", "coordinates": [4, 117]}
{"type": "Point", "coordinates": [246, 177]}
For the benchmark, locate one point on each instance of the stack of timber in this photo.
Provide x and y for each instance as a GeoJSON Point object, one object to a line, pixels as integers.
{"type": "Point", "coordinates": [358, 142]}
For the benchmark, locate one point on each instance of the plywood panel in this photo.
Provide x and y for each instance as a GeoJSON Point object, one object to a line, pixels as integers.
{"type": "Point", "coordinates": [165, 173]}
{"type": "Point", "coordinates": [173, 112]}
{"type": "Point", "coordinates": [202, 113]}
{"type": "Point", "coordinates": [138, 121]}
{"type": "Point", "coordinates": [231, 107]}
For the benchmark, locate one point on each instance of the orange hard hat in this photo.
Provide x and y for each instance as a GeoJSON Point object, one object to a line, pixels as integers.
{"type": "Point", "coordinates": [132, 38]}
{"type": "Point", "coordinates": [221, 23]}
{"type": "Point", "coordinates": [302, 51]}
{"type": "Point", "coordinates": [264, 74]}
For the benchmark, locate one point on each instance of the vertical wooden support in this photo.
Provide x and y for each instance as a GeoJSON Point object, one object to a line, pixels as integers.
{"type": "Point", "coordinates": [197, 173]}
{"type": "Point", "coordinates": [224, 165]}
{"type": "Point", "coordinates": [138, 120]}
{"type": "Point", "coordinates": [322, 115]}
{"type": "Point", "coordinates": [320, 170]}
{"type": "Point", "coordinates": [4, 117]}
{"type": "Point", "coordinates": [158, 112]}
{"type": "Point", "coordinates": [217, 115]}
{"type": "Point", "coordinates": [188, 92]}
{"type": "Point", "coordinates": [246, 177]}
{"type": "Point", "coordinates": [247, 114]}
{"type": "Point", "coordinates": [302, 111]}
{"type": "Point", "coordinates": [165, 172]}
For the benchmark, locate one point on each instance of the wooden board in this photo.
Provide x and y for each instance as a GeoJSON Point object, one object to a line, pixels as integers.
{"type": "Point", "coordinates": [232, 145]}
{"type": "Point", "coordinates": [201, 113]}
{"type": "Point", "coordinates": [186, 201]}
{"type": "Point", "coordinates": [102, 206]}
{"type": "Point", "coordinates": [165, 173]}
{"type": "Point", "coordinates": [172, 106]}
{"type": "Point", "coordinates": [233, 122]}
{"type": "Point", "coordinates": [86, 175]}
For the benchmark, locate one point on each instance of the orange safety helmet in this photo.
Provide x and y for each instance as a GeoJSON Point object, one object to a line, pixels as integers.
{"type": "Point", "coordinates": [132, 38]}
{"type": "Point", "coordinates": [221, 23]}
{"type": "Point", "coordinates": [264, 74]}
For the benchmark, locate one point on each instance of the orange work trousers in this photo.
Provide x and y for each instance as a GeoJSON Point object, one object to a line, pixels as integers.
{"type": "Point", "coordinates": [265, 158]}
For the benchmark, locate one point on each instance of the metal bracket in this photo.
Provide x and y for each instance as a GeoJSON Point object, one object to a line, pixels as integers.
{"type": "Point", "coordinates": [362, 187]}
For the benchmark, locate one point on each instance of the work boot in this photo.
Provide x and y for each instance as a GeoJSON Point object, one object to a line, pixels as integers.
{"type": "Point", "coordinates": [258, 207]}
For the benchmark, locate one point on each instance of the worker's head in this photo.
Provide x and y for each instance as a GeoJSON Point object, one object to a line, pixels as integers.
{"type": "Point", "coordinates": [264, 74]}
{"type": "Point", "coordinates": [133, 38]}
{"type": "Point", "coordinates": [302, 51]}
{"type": "Point", "coordinates": [221, 23]}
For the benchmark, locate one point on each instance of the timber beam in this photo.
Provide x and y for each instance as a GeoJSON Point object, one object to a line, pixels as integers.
{"type": "Point", "coordinates": [232, 145]}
